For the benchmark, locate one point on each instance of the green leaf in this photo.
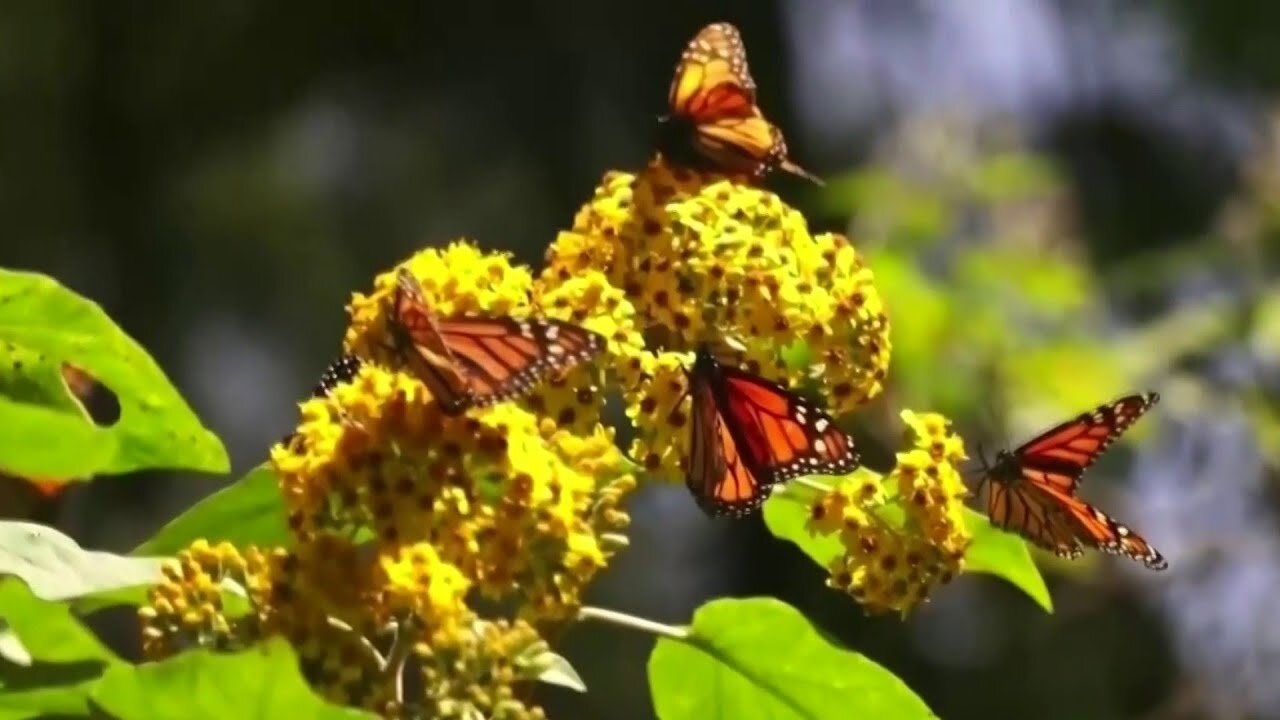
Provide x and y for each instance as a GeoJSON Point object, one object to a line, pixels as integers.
{"type": "Point", "coordinates": [56, 568]}
{"type": "Point", "coordinates": [262, 682]}
{"type": "Point", "coordinates": [992, 551]}
{"type": "Point", "coordinates": [760, 658]}
{"type": "Point", "coordinates": [1004, 555]}
{"type": "Point", "coordinates": [42, 321]}
{"type": "Point", "coordinates": [11, 647]}
{"type": "Point", "coordinates": [554, 669]}
{"type": "Point", "coordinates": [47, 629]}
{"type": "Point", "coordinates": [66, 658]}
{"type": "Point", "coordinates": [40, 442]}
{"type": "Point", "coordinates": [250, 511]}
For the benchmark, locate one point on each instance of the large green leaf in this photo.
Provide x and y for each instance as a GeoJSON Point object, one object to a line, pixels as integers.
{"type": "Point", "coordinates": [45, 325]}
{"type": "Point", "coordinates": [65, 657]}
{"type": "Point", "coordinates": [262, 682]}
{"type": "Point", "coordinates": [56, 568]}
{"type": "Point", "coordinates": [760, 658]}
{"type": "Point", "coordinates": [247, 512]}
{"type": "Point", "coordinates": [992, 551]}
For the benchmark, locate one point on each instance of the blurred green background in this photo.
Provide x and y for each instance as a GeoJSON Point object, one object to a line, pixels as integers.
{"type": "Point", "coordinates": [1062, 201]}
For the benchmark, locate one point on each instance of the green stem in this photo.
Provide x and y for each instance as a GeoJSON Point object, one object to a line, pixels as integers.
{"type": "Point", "coordinates": [635, 623]}
{"type": "Point", "coordinates": [398, 655]}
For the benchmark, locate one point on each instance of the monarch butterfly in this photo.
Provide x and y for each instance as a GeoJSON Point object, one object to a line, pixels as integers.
{"type": "Point", "coordinates": [713, 121]}
{"type": "Point", "coordinates": [749, 434]}
{"type": "Point", "coordinates": [1033, 488]}
{"type": "Point", "coordinates": [470, 361]}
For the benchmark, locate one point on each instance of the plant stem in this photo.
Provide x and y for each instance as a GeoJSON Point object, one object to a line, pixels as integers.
{"type": "Point", "coordinates": [635, 623]}
{"type": "Point", "coordinates": [364, 641]}
{"type": "Point", "coordinates": [398, 655]}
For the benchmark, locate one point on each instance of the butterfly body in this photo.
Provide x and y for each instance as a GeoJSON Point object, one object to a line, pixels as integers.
{"type": "Point", "coordinates": [1033, 488]}
{"type": "Point", "coordinates": [473, 361]}
{"type": "Point", "coordinates": [749, 434]}
{"type": "Point", "coordinates": [713, 122]}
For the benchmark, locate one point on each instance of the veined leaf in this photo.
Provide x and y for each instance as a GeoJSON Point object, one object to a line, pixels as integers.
{"type": "Point", "coordinates": [760, 658]}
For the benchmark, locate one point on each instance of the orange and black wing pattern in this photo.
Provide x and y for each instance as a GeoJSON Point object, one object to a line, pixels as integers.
{"type": "Point", "coordinates": [1059, 456]}
{"type": "Point", "coordinates": [471, 362]}
{"type": "Point", "coordinates": [504, 358]}
{"type": "Point", "coordinates": [415, 335]}
{"type": "Point", "coordinates": [712, 120]}
{"type": "Point", "coordinates": [750, 434]}
{"type": "Point", "coordinates": [1033, 488]}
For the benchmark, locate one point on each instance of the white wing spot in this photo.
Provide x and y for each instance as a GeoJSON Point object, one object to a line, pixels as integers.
{"type": "Point", "coordinates": [821, 425]}
{"type": "Point", "coordinates": [819, 446]}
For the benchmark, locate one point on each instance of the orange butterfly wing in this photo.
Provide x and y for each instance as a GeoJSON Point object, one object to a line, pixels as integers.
{"type": "Point", "coordinates": [712, 79]}
{"type": "Point", "coordinates": [503, 358]}
{"type": "Point", "coordinates": [416, 337]}
{"type": "Point", "coordinates": [714, 120]}
{"type": "Point", "coordinates": [1032, 490]}
{"type": "Point", "coordinates": [1096, 529]}
{"type": "Point", "coordinates": [719, 480]}
{"type": "Point", "coordinates": [477, 361]}
{"type": "Point", "coordinates": [1059, 456]}
{"type": "Point", "coordinates": [1014, 507]}
{"type": "Point", "coordinates": [750, 434]}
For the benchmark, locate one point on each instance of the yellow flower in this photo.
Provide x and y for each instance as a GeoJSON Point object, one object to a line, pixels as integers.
{"type": "Point", "coordinates": [416, 580]}
{"type": "Point", "coordinates": [889, 564]}
{"type": "Point", "coordinates": [481, 671]}
{"type": "Point", "coordinates": [659, 407]}
{"type": "Point", "coordinates": [929, 483]}
{"type": "Point", "coordinates": [587, 299]}
{"type": "Point", "coordinates": [703, 258]}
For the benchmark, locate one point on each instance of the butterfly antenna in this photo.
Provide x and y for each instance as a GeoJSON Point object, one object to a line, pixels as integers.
{"type": "Point", "coordinates": [795, 169]}
{"type": "Point", "coordinates": [984, 469]}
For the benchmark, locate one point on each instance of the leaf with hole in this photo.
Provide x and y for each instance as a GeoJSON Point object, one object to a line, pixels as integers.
{"type": "Point", "coordinates": [45, 327]}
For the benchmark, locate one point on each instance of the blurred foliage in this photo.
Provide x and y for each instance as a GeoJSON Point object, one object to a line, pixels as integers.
{"type": "Point", "coordinates": [972, 239]}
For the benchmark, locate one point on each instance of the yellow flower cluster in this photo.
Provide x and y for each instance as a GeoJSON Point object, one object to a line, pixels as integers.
{"type": "Point", "coordinates": [904, 534]}
{"type": "Point", "coordinates": [336, 609]}
{"type": "Point", "coordinates": [701, 258]}
{"type": "Point", "coordinates": [400, 512]}
{"type": "Point", "coordinates": [475, 676]}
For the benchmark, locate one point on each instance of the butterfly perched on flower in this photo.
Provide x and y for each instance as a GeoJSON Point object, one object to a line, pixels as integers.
{"type": "Point", "coordinates": [472, 361]}
{"type": "Point", "coordinates": [749, 434]}
{"type": "Point", "coordinates": [1033, 488]}
{"type": "Point", "coordinates": [713, 122]}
